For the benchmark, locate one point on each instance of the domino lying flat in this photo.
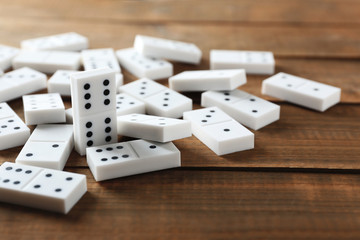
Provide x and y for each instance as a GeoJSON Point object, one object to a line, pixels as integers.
{"type": "Point", "coordinates": [142, 66]}
{"type": "Point", "coordinates": [168, 49]}
{"type": "Point", "coordinates": [129, 158]}
{"type": "Point", "coordinates": [254, 62]}
{"type": "Point", "coordinates": [153, 128]}
{"type": "Point", "coordinates": [301, 91]}
{"type": "Point", "coordinates": [93, 97]}
{"type": "Point", "coordinates": [47, 61]}
{"type": "Point", "coordinates": [49, 146]}
{"type": "Point", "coordinates": [208, 80]}
{"type": "Point", "coordinates": [41, 188]}
{"type": "Point", "coordinates": [16, 83]}
{"type": "Point", "coordinates": [100, 58]}
{"type": "Point", "coordinates": [252, 111]}
{"type": "Point", "coordinates": [13, 131]}
{"type": "Point", "coordinates": [64, 42]}
{"type": "Point", "coordinates": [43, 108]}
{"type": "Point", "coordinates": [6, 55]}
{"type": "Point", "coordinates": [219, 131]}
{"type": "Point", "coordinates": [159, 100]}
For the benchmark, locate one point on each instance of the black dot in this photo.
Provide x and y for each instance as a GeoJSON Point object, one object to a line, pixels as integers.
{"type": "Point", "coordinates": [89, 134]}
{"type": "Point", "coordinates": [28, 171]}
{"type": "Point", "coordinates": [58, 190]}
{"type": "Point", "coordinates": [143, 88]}
{"type": "Point", "coordinates": [165, 105]}
{"type": "Point", "coordinates": [252, 99]}
{"type": "Point", "coordinates": [114, 157]}
{"type": "Point", "coordinates": [166, 99]}
{"type": "Point", "coordinates": [11, 120]}
{"type": "Point", "coordinates": [37, 186]}
{"type": "Point", "coordinates": [87, 96]}
{"type": "Point", "coordinates": [208, 116]}
{"type": "Point", "coordinates": [204, 120]}
{"type": "Point", "coordinates": [18, 170]}
{"type": "Point", "coordinates": [104, 159]}
{"type": "Point", "coordinates": [89, 143]}
{"type": "Point", "coordinates": [88, 105]}
{"type": "Point", "coordinates": [132, 103]}
{"type": "Point", "coordinates": [125, 156]}
{"type": "Point", "coordinates": [316, 89]}
{"type": "Point", "coordinates": [106, 92]}
{"type": "Point", "coordinates": [86, 86]}
{"type": "Point", "coordinates": [107, 120]}
{"type": "Point", "coordinates": [17, 182]}
{"type": "Point", "coordinates": [289, 85]}
{"type": "Point", "coordinates": [55, 145]}
{"type": "Point", "coordinates": [69, 178]}
{"type": "Point", "coordinates": [212, 111]}
{"type": "Point", "coordinates": [48, 175]}
{"type": "Point", "coordinates": [108, 139]}
{"type": "Point", "coordinates": [227, 99]}
{"type": "Point", "coordinates": [88, 124]}
{"type": "Point", "coordinates": [106, 82]}
{"type": "Point", "coordinates": [99, 150]}
{"type": "Point", "coordinates": [29, 154]}
{"type": "Point", "coordinates": [119, 147]}
{"type": "Point", "coordinates": [8, 168]}
{"type": "Point", "coordinates": [6, 181]}
{"type": "Point", "coordinates": [107, 101]}
{"type": "Point", "coordinates": [143, 82]}
{"type": "Point", "coordinates": [108, 129]}
{"type": "Point", "coordinates": [226, 130]}
{"type": "Point", "coordinates": [167, 93]}
{"type": "Point", "coordinates": [142, 93]}
{"type": "Point", "coordinates": [109, 149]}
{"type": "Point", "coordinates": [254, 111]}
{"type": "Point", "coordinates": [4, 126]}
{"type": "Point", "coordinates": [16, 128]}
{"type": "Point", "coordinates": [227, 94]}
{"type": "Point", "coordinates": [152, 146]}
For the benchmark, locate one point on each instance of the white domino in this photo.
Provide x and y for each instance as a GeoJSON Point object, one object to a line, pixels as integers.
{"type": "Point", "coordinates": [249, 110]}
{"type": "Point", "coordinates": [159, 100]}
{"type": "Point", "coordinates": [40, 188]}
{"type": "Point", "coordinates": [13, 131]}
{"type": "Point", "coordinates": [301, 91]}
{"type": "Point", "coordinates": [43, 108]}
{"type": "Point", "coordinates": [60, 82]}
{"type": "Point", "coordinates": [47, 61]}
{"type": "Point", "coordinates": [126, 104]}
{"type": "Point", "coordinates": [204, 80]}
{"type": "Point", "coordinates": [129, 158]}
{"type": "Point", "coordinates": [16, 83]}
{"type": "Point", "coordinates": [142, 66]}
{"type": "Point", "coordinates": [94, 108]}
{"type": "Point", "coordinates": [49, 146]}
{"type": "Point", "coordinates": [63, 42]}
{"type": "Point", "coordinates": [254, 62]}
{"type": "Point", "coordinates": [100, 58]}
{"type": "Point", "coordinates": [6, 55]}
{"type": "Point", "coordinates": [168, 49]}
{"type": "Point", "coordinates": [217, 130]}
{"type": "Point", "coordinates": [153, 128]}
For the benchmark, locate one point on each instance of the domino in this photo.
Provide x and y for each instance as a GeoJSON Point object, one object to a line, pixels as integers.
{"type": "Point", "coordinates": [301, 91]}
{"type": "Point", "coordinates": [142, 66]}
{"type": "Point", "coordinates": [94, 108]}
{"type": "Point", "coordinates": [13, 131]}
{"type": "Point", "coordinates": [47, 61]}
{"type": "Point", "coordinates": [218, 131]}
{"type": "Point", "coordinates": [126, 104]}
{"type": "Point", "coordinates": [159, 100]}
{"type": "Point", "coordinates": [62, 42]}
{"type": "Point", "coordinates": [129, 158]}
{"type": "Point", "coordinates": [153, 128]}
{"type": "Point", "coordinates": [100, 58]}
{"type": "Point", "coordinates": [49, 146]}
{"type": "Point", "coordinates": [208, 80]}
{"type": "Point", "coordinates": [43, 108]}
{"type": "Point", "coordinates": [16, 83]}
{"type": "Point", "coordinates": [247, 109]}
{"type": "Point", "coordinates": [6, 55]}
{"type": "Point", "coordinates": [254, 62]}
{"type": "Point", "coordinates": [168, 49]}
{"type": "Point", "coordinates": [60, 82]}
{"type": "Point", "coordinates": [40, 188]}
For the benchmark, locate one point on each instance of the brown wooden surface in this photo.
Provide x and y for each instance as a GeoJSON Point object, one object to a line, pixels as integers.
{"type": "Point", "coordinates": [300, 182]}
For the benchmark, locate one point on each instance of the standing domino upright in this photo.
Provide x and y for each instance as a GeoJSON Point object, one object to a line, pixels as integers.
{"type": "Point", "coordinates": [219, 131]}
{"type": "Point", "coordinates": [13, 131]}
{"type": "Point", "coordinates": [159, 100]}
{"type": "Point", "coordinates": [94, 108]}
{"type": "Point", "coordinates": [6, 55]}
{"type": "Point", "coordinates": [62, 42]}
{"type": "Point", "coordinates": [168, 49]}
{"type": "Point", "coordinates": [49, 146]}
{"type": "Point", "coordinates": [129, 158]}
{"type": "Point", "coordinates": [254, 62]}
{"type": "Point", "coordinates": [41, 188]}
{"type": "Point", "coordinates": [252, 111]}
{"type": "Point", "coordinates": [204, 80]}
{"type": "Point", "coordinates": [100, 58]}
{"type": "Point", "coordinates": [142, 66]}
{"type": "Point", "coordinates": [301, 91]}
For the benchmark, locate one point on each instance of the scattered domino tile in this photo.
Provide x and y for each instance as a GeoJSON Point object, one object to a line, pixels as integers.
{"type": "Point", "coordinates": [63, 42]}
{"type": "Point", "coordinates": [41, 188]}
{"type": "Point", "coordinates": [159, 100]}
{"type": "Point", "coordinates": [168, 49]}
{"type": "Point", "coordinates": [219, 131]}
{"type": "Point", "coordinates": [142, 66]}
{"type": "Point", "coordinates": [100, 58]}
{"type": "Point", "coordinates": [204, 80]}
{"type": "Point", "coordinates": [49, 146]}
{"type": "Point", "coordinates": [129, 158]}
{"type": "Point", "coordinates": [69, 116]}
{"type": "Point", "coordinates": [254, 62]}
{"type": "Point", "coordinates": [60, 82]}
{"type": "Point", "coordinates": [93, 97]}
{"type": "Point", "coordinates": [16, 83]}
{"type": "Point", "coordinates": [43, 108]}
{"type": "Point", "coordinates": [6, 55]}
{"type": "Point", "coordinates": [249, 110]}
{"type": "Point", "coordinates": [153, 128]}
{"type": "Point", "coordinates": [126, 104]}
{"type": "Point", "coordinates": [13, 131]}
{"type": "Point", "coordinates": [301, 91]}
{"type": "Point", "coordinates": [47, 61]}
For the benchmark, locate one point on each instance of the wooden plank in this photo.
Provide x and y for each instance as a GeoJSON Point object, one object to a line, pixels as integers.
{"type": "Point", "coordinates": [284, 41]}
{"type": "Point", "coordinates": [187, 204]}
{"type": "Point", "coordinates": [245, 11]}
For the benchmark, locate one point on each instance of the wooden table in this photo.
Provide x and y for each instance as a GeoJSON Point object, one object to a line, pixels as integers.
{"type": "Point", "coordinates": [300, 182]}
